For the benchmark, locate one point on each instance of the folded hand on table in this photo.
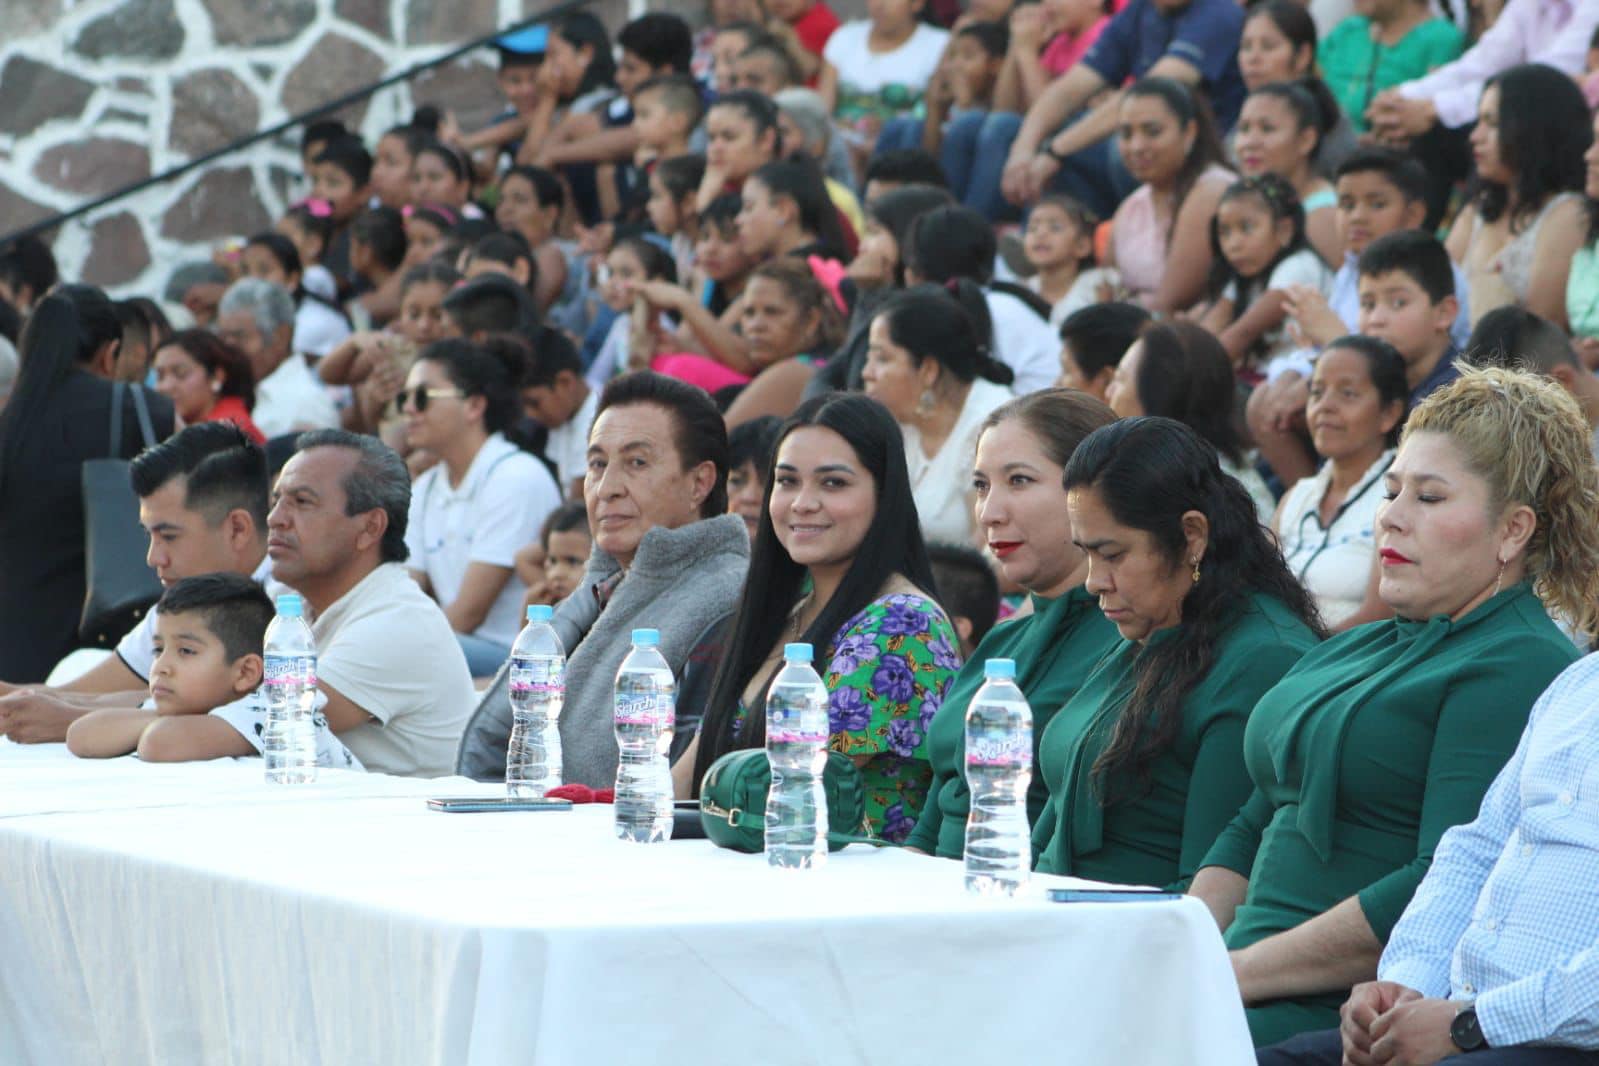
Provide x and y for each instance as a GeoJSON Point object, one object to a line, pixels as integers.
{"type": "Point", "coordinates": [30, 716]}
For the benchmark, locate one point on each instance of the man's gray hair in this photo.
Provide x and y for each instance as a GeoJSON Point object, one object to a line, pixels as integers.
{"type": "Point", "coordinates": [806, 109]}
{"type": "Point", "coordinates": [268, 303]}
{"type": "Point", "coordinates": [379, 481]}
{"type": "Point", "coordinates": [187, 276]}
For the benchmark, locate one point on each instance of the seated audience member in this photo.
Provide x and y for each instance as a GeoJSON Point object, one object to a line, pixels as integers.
{"type": "Point", "coordinates": [1278, 44]}
{"type": "Point", "coordinates": [1385, 44]}
{"type": "Point", "coordinates": [488, 304]}
{"type": "Point", "coordinates": [1178, 371]}
{"type": "Point", "coordinates": [666, 110]}
{"type": "Point", "coordinates": [203, 501]}
{"type": "Point", "coordinates": [1326, 523]}
{"type": "Point", "coordinates": [1059, 245]}
{"type": "Point", "coordinates": [1385, 736]}
{"type": "Point", "coordinates": [397, 687]}
{"type": "Point", "coordinates": [875, 69]}
{"type": "Point", "coordinates": [633, 336]}
{"type": "Point", "coordinates": [1022, 454]}
{"type": "Point", "coordinates": [767, 67]}
{"type": "Point", "coordinates": [1261, 251]}
{"type": "Point", "coordinates": [1160, 235]}
{"type": "Point", "coordinates": [1407, 298]}
{"type": "Point", "coordinates": [731, 39]}
{"type": "Point", "coordinates": [1516, 240]}
{"type": "Point", "coordinates": [1487, 956]}
{"type": "Point", "coordinates": [787, 211]}
{"type": "Point", "coordinates": [144, 329]}
{"type": "Point", "coordinates": [808, 132]}
{"type": "Point", "coordinates": [58, 417]}
{"type": "Point", "coordinates": [674, 189]}
{"type": "Point", "coordinates": [556, 396]}
{"type": "Point", "coordinates": [928, 365]}
{"type": "Point", "coordinates": [1145, 762]}
{"type": "Point", "coordinates": [947, 243]}
{"type": "Point", "coordinates": [1194, 45]}
{"type": "Point", "coordinates": [968, 591]}
{"type": "Point", "coordinates": [484, 499]}
{"type": "Point", "coordinates": [552, 567]}
{"type": "Point", "coordinates": [666, 554]}
{"type": "Point", "coordinates": [1520, 340]}
{"type": "Point", "coordinates": [197, 288]}
{"type": "Point", "coordinates": [813, 23]}
{"type": "Point", "coordinates": [205, 683]}
{"type": "Point", "coordinates": [531, 199]}
{"type": "Point", "coordinates": [1582, 285]}
{"type": "Point", "coordinates": [257, 318]}
{"type": "Point", "coordinates": [503, 252]}
{"type": "Point", "coordinates": [963, 84]}
{"type": "Point", "coordinates": [839, 563]}
{"type": "Point", "coordinates": [1279, 132]}
{"type": "Point", "coordinates": [28, 273]}
{"type": "Point", "coordinates": [1093, 341]}
{"type": "Point", "coordinates": [207, 380]}
{"type": "Point", "coordinates": [320, 324]}
{"type": "Point", "coordinates": [887, 171]}
{"type": "Point", "coordinates": [750, 446]}
{"type": "Point", "coordinates": [1432, 114]}
{"type": "Point", "coordinates": [742, 136]}
{"type": "Point", "coordinates": [1380, 192]}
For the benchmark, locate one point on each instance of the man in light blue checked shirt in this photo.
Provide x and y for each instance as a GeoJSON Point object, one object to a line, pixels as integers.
{"type": "Point", "coordinates": [1498, 953]}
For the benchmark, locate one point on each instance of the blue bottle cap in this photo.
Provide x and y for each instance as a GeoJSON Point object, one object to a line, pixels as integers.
{"type": "Point", "coordinates": [540, 612]}
{"type": "Point", "coordinates": [798, 653]}
{"type": "Point", "coordinates": [646, 638]}
{"type": "Point", "coordinates": [1000, 669]}
{"type": "Point", "coordinates": [290, 605]}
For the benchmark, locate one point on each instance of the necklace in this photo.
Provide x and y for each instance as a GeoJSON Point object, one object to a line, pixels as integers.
{"type": "Point", "coordinates": [796, 617]}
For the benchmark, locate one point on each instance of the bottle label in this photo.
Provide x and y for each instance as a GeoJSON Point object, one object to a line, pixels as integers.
{"type": "Point", "coordinates": [1015, 750]}
{"type": "Point", "coordinates": [289, 670]}
{"type": "Point", "coordinates": [788, 725]}
{"type": "Point", "coordinates": [643, 709]}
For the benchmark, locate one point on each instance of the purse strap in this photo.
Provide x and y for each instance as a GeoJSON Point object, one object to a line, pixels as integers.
{"type": "Point", "coordinates": [141, 410]}
{"type": "Point", "coordinates": [736, 818]}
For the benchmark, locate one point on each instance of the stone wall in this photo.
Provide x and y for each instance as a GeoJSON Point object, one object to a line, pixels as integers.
{"type": "Point", "coordinates": [96, 94]}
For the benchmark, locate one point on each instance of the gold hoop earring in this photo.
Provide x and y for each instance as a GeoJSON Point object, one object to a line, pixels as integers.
{"type": "Point", "coordinates": [1196, 571]}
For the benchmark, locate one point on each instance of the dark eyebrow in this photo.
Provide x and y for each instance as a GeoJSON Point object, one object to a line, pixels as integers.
{"type": "Point", "coordinates": [832, 468]}
{"type": "Point", "coordinates": [162, 527]}
{"type": "Point", "coordinates": [1094, 545]}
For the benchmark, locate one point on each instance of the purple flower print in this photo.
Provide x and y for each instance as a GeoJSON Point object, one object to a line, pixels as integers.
{"type": "Point", "coordinates": [903, 737]}
{"type": "Point", "coordinates": [847, 710]}
{"type": "Point", "coordinates": [853, 652]}
{"type": "Point", "coordinates": [902, 619]}
{"type": "Point", "coordinates": [893, 679]}
{"type": "Point", "coordinates": [896, 826]}
{"type": "Point", "coordinates": [945, 655]}
{"type": "Point", "coordinates": [929, 708]}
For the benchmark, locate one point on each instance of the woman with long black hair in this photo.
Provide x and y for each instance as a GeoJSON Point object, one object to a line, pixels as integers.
{"type": "Point", "coordinates": [839, 562]}
{"type": "Point", "coordinates": [58, 417]}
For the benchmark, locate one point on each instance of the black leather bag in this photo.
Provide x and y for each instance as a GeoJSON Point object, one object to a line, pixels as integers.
{"type": "Point", "coordinates": [119, 584]}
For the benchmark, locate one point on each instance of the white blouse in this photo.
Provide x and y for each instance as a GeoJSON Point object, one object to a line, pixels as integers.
{"type": "Point", "coordinates": [1333, 563]}
{"type": "Point", "coordinates": [941, 485]}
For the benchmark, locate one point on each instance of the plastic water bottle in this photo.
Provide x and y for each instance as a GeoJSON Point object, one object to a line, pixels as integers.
{"type": "Point", "coordinates": [288, 743]}
{"type": "Point", "coordinates": [538, 690]}
{"type": "Point", "coordinates": [645, 707]}
{"type": "Point", "coordinates": [797, 729]}
{"type": "Point", "coordinates": [999, 765]}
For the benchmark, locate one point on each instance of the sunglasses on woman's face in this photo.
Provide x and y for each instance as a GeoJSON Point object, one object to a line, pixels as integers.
{"type": "Point", "coordinates": [419, 397]}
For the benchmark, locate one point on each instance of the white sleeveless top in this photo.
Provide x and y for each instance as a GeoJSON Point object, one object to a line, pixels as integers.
{"type": "Point", "coordinates": [1333, 563]}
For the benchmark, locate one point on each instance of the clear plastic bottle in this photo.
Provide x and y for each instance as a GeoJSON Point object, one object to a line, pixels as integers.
{"type": "Point", "coordinates": [538, 691]}
{"type": "Point", "coordinates": [645, 713]}
{"type": "Point", "coordinates": [288, 743]}
{"type": "Point", "coordinates": [797, 729]}
{"type": "Point", "coordinates": [999, 765]}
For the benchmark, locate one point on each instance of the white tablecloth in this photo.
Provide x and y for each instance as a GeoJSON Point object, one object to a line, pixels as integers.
{"type": "Point", "coordinates": [192, 914]}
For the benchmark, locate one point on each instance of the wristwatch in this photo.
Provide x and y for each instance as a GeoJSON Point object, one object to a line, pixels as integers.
{"type": "Point", "coordinates": [1465, 1032]}
{"type": "Point", "coordinates": [1048, 149]}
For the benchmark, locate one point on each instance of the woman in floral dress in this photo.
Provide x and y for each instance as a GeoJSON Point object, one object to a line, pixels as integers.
{"type": "Point", "coordinates": [839, 562]}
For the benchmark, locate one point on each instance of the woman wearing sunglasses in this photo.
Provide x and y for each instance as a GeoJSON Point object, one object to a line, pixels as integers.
{"type": "Point", "coordinates": [484, 499]}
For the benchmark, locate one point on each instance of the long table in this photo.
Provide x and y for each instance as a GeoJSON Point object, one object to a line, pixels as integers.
{"type": "Point", "coordinates": [193, 914]}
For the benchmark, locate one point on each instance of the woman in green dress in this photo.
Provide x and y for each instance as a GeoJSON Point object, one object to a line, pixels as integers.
{"type": "Point", "coordinates": [1022, 451]}
{"type": "Point", "coordinates": [1145, 762]}
{"type": "Point", "coordinates": [1386, 735]}
{"type": "Point", "coordinates": [839, 563]}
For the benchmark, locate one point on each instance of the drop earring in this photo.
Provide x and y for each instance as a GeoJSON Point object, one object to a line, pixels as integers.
{"type": "Point", "coordinates": [1196, 571]}
{"type": "Point", "coordinates": [924, 406]}
{"type": "Point", "coordinates": [1500, 580]}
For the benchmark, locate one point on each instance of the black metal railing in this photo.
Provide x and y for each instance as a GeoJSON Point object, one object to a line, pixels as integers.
{"type": "Point", "coordinates": [351, 97]}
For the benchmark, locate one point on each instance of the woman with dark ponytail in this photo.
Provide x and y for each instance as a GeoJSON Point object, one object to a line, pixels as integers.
{"type": "Point", "coordinates": [928, 361]}
{"type": "Point", "coordinates": [483, 501]}
{"type": "Point", "coordinates": [1145, 763]}
{"type": "Point", "coordinates": [59, 416]}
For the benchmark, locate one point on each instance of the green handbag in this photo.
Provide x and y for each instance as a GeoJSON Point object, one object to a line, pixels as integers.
{"type": "Point", "coordinates": [733, 801]}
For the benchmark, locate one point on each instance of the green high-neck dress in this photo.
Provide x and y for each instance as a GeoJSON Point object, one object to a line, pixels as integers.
{"type": "Point", "coordinates": [1375, 744]}
{"type": "Point", "coordinates": [1055, 648]}
{"type": "Point", "coordinates": [1158, 835]}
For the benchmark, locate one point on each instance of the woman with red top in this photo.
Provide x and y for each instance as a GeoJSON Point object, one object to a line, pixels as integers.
{"type": "Point", "coordinates": [207, 380]}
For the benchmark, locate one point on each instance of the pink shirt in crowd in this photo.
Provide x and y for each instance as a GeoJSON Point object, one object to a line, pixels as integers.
{"type": "Point", "coordinates": [1555, 32]}
{"type": "Point", "coordinates": [1065, 49]}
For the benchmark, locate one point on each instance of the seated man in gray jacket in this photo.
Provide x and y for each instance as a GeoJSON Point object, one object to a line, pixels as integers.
{"type": "Point", "coordinates": [666, 556]}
